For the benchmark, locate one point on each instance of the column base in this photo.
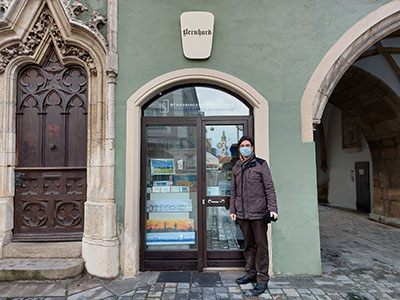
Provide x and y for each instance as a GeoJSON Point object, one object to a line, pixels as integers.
{"type": "Point", "coordinates": [5, 238]}
{"type": "Point", "coordinates": [101, 257]}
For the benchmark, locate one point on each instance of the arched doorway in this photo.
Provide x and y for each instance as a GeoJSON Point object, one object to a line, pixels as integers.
{"type": "Point", "coordinates": [189, 146]}
{"type": "Point", "coordinates": [259, 105]}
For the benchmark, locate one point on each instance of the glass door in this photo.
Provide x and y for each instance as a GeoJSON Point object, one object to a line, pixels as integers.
{"type": "Point", "coordinates": [171, 197]}
{"type": "Point", "coordinates": [223, 238]}
{"type": "Point", "coordinates": [189, 145]}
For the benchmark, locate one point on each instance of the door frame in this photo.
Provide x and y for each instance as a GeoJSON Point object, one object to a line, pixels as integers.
{"type": "Point", "coordinates": [183, 259]}
{"type": "Point", "coordinates": [216, 260]}
{"type": "Point", "coordinates": [130, 237]}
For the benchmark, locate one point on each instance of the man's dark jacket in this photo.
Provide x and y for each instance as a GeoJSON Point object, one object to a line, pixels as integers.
{"type": "Point", "coordinates": [252, 189]}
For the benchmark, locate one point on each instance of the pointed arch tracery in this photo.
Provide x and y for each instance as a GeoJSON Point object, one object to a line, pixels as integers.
{"type": "Point", "coordinates": [45, 26]}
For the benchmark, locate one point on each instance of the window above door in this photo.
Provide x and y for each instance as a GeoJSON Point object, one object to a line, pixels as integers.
{"type": "Point", "coordinates": [196, 100]}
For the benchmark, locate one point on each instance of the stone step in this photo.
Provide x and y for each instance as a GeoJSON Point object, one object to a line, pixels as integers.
{"type": "Point", "coordinates": [39, 269]}
{"type": "Point", "coordinates": [43, 250]}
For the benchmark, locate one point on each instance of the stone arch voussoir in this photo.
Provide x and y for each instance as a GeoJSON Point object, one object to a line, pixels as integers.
{"type": "Point", "coordinates": [340, 57]}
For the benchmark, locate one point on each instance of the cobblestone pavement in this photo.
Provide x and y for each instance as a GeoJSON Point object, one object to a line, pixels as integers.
{"type": "Point", "coordinates": [360, 258]}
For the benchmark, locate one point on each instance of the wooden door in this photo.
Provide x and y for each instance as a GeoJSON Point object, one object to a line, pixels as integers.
{"type": "Point", "coordinates": [50, 173]}
{"type": "Point", "coordinates": [362, 186]}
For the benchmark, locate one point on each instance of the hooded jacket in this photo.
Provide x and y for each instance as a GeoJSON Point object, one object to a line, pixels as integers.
{"type": "Point", "coordinates": [252, 189]}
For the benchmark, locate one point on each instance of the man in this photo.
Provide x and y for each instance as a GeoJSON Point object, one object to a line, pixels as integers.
{"type": "Point", "coordinates": [252, 194]}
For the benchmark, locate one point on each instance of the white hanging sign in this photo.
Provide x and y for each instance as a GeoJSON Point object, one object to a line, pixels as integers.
{"type": "Point", "coordinates": [197, 31]}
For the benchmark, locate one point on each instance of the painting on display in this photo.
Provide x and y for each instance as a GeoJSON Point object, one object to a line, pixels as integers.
{"type": "Point", "coordinates": [162, 166]}
{"type": "Point", "coordinates": [168, 238]}
{"type": "Point", "coordinates": [351, 135]}
{"type": "Point", "coordinates": [168, 206]}
{"type": "Point", "coordinates": [170, 225]}
{"type": "Point", "coordinates": [185, 180]}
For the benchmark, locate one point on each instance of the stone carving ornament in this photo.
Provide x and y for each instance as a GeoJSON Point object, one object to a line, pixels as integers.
{"type": "Point", "coordinates": [44, 24]}
{"type": "Point", "coordinates": [97, 21]}
{"type": "Point", "coordinates": [4, 4]}
{"type": "Point", "coordinates": [76, 8]}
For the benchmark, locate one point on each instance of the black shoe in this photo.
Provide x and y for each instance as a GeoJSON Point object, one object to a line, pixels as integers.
{"type": "Point", "coordinates": [245, 280]}
{"type": "Point", "coordinates": [259, 289]}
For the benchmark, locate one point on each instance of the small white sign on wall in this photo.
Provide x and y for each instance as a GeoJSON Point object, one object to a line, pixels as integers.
{"type": "Point", "coordinates": [197, 31]}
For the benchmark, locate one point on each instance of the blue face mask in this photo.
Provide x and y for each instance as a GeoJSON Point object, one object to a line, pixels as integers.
{"type": "Point", "coordinates": [245, 151]}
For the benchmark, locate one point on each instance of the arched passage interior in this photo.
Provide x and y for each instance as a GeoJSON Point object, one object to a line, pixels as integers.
{"type": "Point", "coordinates": [361, 125]}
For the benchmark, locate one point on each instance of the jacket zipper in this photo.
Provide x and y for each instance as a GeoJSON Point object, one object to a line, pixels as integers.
{"type": "Point", "coordinates": [242, 190]}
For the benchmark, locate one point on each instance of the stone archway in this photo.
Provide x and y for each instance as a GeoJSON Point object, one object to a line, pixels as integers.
{"type": "Point", "coordinates": [27, 30]}
{"type": "Point", "coordinates": [339, 58]}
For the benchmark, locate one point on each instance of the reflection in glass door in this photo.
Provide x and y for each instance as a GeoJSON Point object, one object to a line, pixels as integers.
{"type": "Point", "coordinates": [224, 239]}
{"type": "Point", "coordinates": [171, 189]}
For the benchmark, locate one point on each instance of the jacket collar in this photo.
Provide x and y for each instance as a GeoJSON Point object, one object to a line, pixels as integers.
{"type": "Point", "coordinates": [247, 163]}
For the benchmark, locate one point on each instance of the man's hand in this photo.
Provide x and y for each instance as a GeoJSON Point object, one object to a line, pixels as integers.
{"type": "Point", "coordinates": [233, 217]}
{"type": "Point", "coordinates": [273, 215]}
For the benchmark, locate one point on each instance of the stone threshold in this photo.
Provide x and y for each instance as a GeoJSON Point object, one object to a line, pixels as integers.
{"type": "Point", "coordinates": [39, 269]}
{"type": "Point", "coordinates": [42, 250]}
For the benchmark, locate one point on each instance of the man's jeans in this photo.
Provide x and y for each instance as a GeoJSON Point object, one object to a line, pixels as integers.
{"type": "Point", "coordinates": [256, 249]}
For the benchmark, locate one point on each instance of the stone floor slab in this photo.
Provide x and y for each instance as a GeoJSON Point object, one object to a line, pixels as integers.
{"type": "Point", "coordinates": [93, 294]}
{"type": "Point", "coordinates": [32, 289]}
{"type": "Point", "coordinates": [345, 276]}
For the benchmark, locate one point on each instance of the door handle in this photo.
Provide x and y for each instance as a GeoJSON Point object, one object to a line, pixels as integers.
{"type": "Point", "coordinates": [18, 178]}
{"type": "Point", "coordinates": [222, 201]}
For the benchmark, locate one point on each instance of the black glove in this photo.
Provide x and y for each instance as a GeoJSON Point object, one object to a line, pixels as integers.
{"type": "Point", "coordinates": [267, 218]}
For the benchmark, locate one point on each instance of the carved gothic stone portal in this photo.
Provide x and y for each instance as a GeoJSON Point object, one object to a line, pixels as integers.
{"type": "Point", "coordinates": [44, 25]}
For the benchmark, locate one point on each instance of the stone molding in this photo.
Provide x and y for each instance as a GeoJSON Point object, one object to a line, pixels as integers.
{"type": "Point", "coordinates": [340, 57]}
{"type": "Point", "coordinates": [76, 8]}
{"type": "Point", "coordinates": [43, 26]}
{"type": "Point", "coordinates": [101, 241]}
{"type": "Point", "coordinates": [131, 235]}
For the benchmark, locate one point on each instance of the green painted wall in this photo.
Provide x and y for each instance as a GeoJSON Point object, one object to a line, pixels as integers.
{"type": "Point", "coordinates": [272, 45]}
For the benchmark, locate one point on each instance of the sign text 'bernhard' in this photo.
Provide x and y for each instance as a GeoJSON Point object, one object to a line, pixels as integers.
{"type": "Point", "coordinates": [197, 30]}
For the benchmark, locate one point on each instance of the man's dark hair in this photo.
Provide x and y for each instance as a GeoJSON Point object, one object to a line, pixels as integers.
{"type": "Point", "coordinates": [246, 138]}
